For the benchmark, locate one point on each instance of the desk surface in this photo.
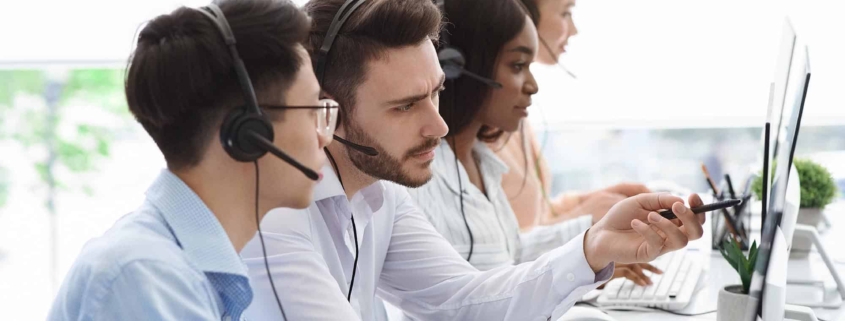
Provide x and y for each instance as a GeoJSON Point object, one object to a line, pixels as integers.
{"type": "Point", "coordinates": [719, 274]}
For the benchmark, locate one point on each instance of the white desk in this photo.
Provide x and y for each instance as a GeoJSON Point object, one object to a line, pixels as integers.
{"type": "Point", "coordinates": [719, 274]}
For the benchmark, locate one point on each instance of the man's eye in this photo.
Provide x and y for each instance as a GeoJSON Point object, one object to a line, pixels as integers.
{"type": "Point", "coordinates": [405, 107]}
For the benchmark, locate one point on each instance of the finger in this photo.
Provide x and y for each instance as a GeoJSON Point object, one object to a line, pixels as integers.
{"type": "Point", "coordinates": [693, 229]}
{"type": "Point", "coordinates": [626, 273]}
{"type": "Point", "coordinates": [649, 267]}
{"type": "Point", "coordinates": [658, 231]}
{"type": "Point", "coordinates": [657, 201]}
{"type": "Point", "coordinates": [654, 243]}
{"type": "Point", "coordinates": [636, 268]}
{"type": "Point", "coordinates": [677, 222]}
{"type": "Point", "coordinates": [639, 271]}
{"type": "Point", "coordinates": [695, 201]}
{"type": "Point", "coordinates": [675, 238]}
{"type": "Point", "coordinates": [637, 278]}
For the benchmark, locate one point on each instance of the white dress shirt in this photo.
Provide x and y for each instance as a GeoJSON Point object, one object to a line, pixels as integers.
{"type": "Point", "coordinates": [497, 240]}
{"type": "Point", "coordinates": [403, 259]}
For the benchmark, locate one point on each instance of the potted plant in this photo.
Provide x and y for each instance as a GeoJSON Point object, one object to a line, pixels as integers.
{"type": "Point", "coordinates": [818, 189]}
{"type": "Point", "coordinates": [734, 299]}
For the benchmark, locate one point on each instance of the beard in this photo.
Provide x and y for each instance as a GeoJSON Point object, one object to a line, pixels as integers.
{"type": "Point", "coordinates": [384, 166]}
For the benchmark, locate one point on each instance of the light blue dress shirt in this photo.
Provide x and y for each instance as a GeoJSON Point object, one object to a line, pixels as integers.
{"type": "Point", "coordinates": [168, 260]}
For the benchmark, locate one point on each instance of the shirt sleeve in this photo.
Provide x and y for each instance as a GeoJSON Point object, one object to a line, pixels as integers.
{"type": "Point", "coordinates": [426, 278]}
{"type": "Point", "coordinates": [544, 238]}
{"type": "Point", "coordinates": [140, 290]}
{"type": "Point", "coordinates": [305, 286]}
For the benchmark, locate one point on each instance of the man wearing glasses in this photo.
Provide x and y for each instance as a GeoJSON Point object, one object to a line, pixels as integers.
{"type": "Point", "coordinates": [363, 236]}
{"type": "Point", "coordinates": [176, 256]}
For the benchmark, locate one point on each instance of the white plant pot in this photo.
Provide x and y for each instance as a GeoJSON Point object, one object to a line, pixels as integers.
{"type": "Point", "coordinates": [801, 246]}
{"type": "Point", "coordinates": [732, 304]}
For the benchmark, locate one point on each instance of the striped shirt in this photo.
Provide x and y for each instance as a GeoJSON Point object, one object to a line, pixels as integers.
{"type": "Point", "coordinates": [497, 240]}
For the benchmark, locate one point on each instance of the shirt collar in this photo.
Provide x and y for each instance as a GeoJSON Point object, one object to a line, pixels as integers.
{"type": "Point", "coordinates": [329, 187]}
{"type": "Point", "coordinates": [444, 165]}
{"type": "Point", "coordinates": [195, 227]}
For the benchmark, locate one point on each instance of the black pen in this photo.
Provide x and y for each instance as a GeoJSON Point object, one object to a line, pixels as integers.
{"type": "Point", "coordinates": [730, 185]}
{"type": "Point", "coordinates": [668, 214]}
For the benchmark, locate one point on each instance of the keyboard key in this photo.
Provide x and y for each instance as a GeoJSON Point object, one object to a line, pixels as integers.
{"type": "Point", "coordinates": [649, 292]}
{"type": "Point", "coordinates": [686, 266]}
{"type": "Point", "coordinates": [668, 278]}
{"type": "Point", "coordinates": [637, 293]}
{"type": "Point", "coordinates": [611, 290]}
{"type": "Point", "coordinates": [676, 288]}
{"type": "Point", "coordinates": [626, 290]}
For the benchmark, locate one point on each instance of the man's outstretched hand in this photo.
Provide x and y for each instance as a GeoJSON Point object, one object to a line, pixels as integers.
{"type": "Point", "coordinates": [632, 231]}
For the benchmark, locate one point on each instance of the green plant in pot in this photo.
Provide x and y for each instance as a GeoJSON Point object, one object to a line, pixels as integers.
{"type": "Point", "coordinates": [818, 189]}
{"type": "Point", "coordinates": [734, 299]}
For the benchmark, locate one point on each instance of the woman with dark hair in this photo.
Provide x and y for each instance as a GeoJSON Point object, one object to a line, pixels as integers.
{"type": "Point", "coordinates": [499, 42]}
{"type": "Point", "coordinates": [529, 181]}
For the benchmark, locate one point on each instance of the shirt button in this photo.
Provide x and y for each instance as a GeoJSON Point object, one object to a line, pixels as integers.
{"type": "Point", "coordinates": [570, 277]}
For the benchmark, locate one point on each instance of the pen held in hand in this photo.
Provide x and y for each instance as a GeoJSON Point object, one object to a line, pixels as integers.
{"type": "Point", "coordinates": [668, 214]}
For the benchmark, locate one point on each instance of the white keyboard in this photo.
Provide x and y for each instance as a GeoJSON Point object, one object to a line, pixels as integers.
{"type": "Point", "coordinates": [672, 290]}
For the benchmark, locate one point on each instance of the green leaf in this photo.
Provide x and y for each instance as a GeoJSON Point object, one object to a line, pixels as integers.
{"type": "Point", "coordinates": [88, 190]}
{"type": "Point", "coordinates": [74, 156]}
{"type": "Point", "coordinates": [4, 186]}
{"type": "Point", "coordinates": [730, 253]}
{"type": "Point", "coordinates": [16, 82]}
{"type": "Point", "coordinates": [103, 147]}
{"type": "Point", "coordinates": [41, 169]}
{"type": "Point", "coordinates": [745, 277]}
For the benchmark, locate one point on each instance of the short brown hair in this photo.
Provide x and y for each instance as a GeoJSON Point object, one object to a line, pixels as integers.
{"type": "Point", "coordinates": [181, 81]}
{"type": "Point", "coordinates": [372, 29]}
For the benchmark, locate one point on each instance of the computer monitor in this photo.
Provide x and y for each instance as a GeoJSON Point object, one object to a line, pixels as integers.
{"type": "Point", "coordinates": [774, 117]}
{"type": "Point", "coordinates": [783, 68]}
{"type": "Point", "coordinates": [773, 251]}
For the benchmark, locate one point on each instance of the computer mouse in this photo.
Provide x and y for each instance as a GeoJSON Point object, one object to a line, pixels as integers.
{"type": "Point", "coordinates": [585, 314]}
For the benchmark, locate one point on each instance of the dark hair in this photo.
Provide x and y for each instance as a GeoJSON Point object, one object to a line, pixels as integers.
{"type": "Point", "coordinates": [533, 10]}
{"type": "Point", "coordinates": [370, 31]}
{"type": "Point", "coordinates": [181, 81]}
{"type": "Point", "coordinates": [479, 29]}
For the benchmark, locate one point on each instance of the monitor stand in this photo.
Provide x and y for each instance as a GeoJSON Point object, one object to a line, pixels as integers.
{"type": "Point", "coordinates": [774, 299]}
{"type": "Point", "coordinates": [811, 233]}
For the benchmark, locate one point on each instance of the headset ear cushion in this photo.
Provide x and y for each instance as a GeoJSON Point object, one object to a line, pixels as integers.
{"type": "Point", "coordinates": [235, 131]}
{"type": "Point", "coordinates": [452, 62]}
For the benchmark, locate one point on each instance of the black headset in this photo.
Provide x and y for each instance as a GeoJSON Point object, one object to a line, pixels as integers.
{"type": "Point", "coordinates": [246, 134]}
{"type": "Point", "coordinates": [453, 63]}
{"type": "Point", "coordinates": [452, 60]}
{"type": "Point", "coordinates": [339, 19]}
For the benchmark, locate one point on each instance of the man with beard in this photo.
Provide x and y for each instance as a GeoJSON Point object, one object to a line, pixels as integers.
{"type": "Point", "coordinates": [363, 236]}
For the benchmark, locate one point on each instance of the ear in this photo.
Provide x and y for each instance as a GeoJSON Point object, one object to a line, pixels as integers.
{"type": "Point", "coordinates": [325, 95]}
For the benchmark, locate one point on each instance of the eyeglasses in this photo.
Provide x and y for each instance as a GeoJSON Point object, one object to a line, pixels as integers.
{"type": "Point", "coordinates": [326, 115]}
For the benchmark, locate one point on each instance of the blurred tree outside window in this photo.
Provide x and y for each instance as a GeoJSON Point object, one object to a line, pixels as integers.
{"type": "Point", "coordinates": [65, 121]}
